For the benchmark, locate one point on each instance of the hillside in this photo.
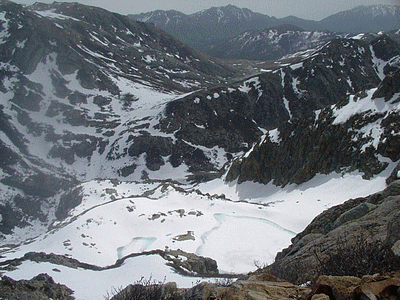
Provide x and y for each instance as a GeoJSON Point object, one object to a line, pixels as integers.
{"type": "Point", "coordinates": [272, 43]}
{"type": "Point", "coordinates": [208, 29]}
{"type": "Point", "coordinates": [126, 154]}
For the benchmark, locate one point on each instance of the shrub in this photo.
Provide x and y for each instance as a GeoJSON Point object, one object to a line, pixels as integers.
{"type": "Point", "coordinates": [143, 289]}
{"type": "Point", "coordinates": [358, 258]}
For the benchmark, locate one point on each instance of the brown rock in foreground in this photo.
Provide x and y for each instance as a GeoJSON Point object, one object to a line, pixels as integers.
{"type": "Point", "coordinates": [348, 287]}
{"type": "Point", "coordinates": [41, 287]}
{"type": "Point", "coordinates": [256, 287]}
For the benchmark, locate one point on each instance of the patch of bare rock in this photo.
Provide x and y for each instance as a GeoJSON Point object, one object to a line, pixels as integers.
{"type": "Point", "coordinates": [264, 286]}
{"type": "Point", "coordinates": [39, 287]}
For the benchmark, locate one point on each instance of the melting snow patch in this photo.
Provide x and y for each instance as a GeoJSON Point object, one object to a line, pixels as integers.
{"type": "Point", "coordinates": [296, 66]}
{"type": "Point", "coordinates": [358, 37]}
{"type": "Point", "coordinates": [21, 44]}
{"type": "Point", "coordinates": [53, 15]}
{"type": "Point", "coordinates": [374, 131]}
{"type": "Point", "coordinates": [274, 136]}
{"type": "Point", "coordinates": [379, 64]}
{"type": "Point", "coordinates": [148, 59]}
{"type": "Point", "coordinates": [94, 54]}
{"type": "Point", "coordinates": [300, 93]}
{"type": "Point", "coordinates": [4, 34]}
{"type": "Point", "coordinates": [286, 103]}
{"type": "Point", "coordinates": [357, 106]}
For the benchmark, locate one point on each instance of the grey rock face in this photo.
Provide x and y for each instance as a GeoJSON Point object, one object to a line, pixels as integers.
{"type": "Point", "coordinates": [271, 43]}
{"type": "Point", "coordinates": [302, 260]}
{"type": "Point", "coordinates": [315, 144]}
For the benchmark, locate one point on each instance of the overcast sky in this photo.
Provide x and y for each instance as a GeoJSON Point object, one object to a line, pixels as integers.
{"type": "Point", "coordinates": [307, 9]}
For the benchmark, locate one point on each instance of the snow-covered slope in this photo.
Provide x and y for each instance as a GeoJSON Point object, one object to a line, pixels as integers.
{"type": "Point", "coordinates": [372, 18]}
{"type": "Point", "coordinates": [238, 225]}
{"type": "Point", "coordinates": [271, 43]}
{"type": "Point", "coordinates": [77, 84]}
{"type": "Point", "coordinates": [116, 139]}
{"type": "Point", "coordinates": [359, 133]}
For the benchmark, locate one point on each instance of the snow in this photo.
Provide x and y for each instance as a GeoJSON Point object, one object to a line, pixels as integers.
{"type": "Point", "coordinates": [299, 92]}
{"type": "Point", "coordinates": [21, 44]}
{"type": "Point", "coordinates": [235, 224]}
{"type": "Point", "coordinates": [374, 131]}
{"type": "Point", "coordinates": [296, 66]}
{"type": "Point", "coordinates": [94, 37]}
{"type": "Point", "coordinates": [274, 136]}
{"type": "Point", "coordinates": [4, 22]}
{"type": "Point", "coordinates": [358, 37]}
{"type": "Point", "coordinates": [286, 103]}
{"type": "Point", "coordinates": [94, 54]}
{"type": "Point", "coordinates": [378, 64]}
{"type": "Point", "coordinates": [94, 285]}
{"type": "Point", "coordinates": [148, 59]}
{"type": "Point", "coordinates": [246, 86]}
{"type": "Point", "coordinates": [53, 15]}
{"type": "Point", "coordinates": [367, 104]}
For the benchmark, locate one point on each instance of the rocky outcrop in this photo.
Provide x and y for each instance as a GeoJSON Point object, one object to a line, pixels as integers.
{"type": "Point", "coordinates": [347, 287]}
{"type": "Point", "coordinates": [265, 286]}
{"type": "Point", "coordinates": [319, 143]}
{"type": "Point", "coordinates": [189, 263]}
{"type": "Point", "coordinates": [40, 287]}
{"type": "Point", "coordinates": [271, 43]}
{"type": "Point", "coordinates": [389, 86]}
{"type": "Point", "coordinates": [356, 238]}
{"type": "Point", "coordinates": [256, 287]}
{"type": "Point", "coordinates": [231, 117]}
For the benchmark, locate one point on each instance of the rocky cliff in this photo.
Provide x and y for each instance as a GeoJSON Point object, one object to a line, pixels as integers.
{"type": "Point", "coordinates": [271, 43]}
{"type": "Point", "coordinates": [352, 135]}
{"type": "Point", "coordinates": [357, 238]}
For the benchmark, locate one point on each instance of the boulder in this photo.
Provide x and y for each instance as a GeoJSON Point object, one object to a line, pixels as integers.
{"type": "Point", "coordinates": [378, 287]}
{"type": "Point", "coordinates": [189, 263]}
{"type": "Point", "coordinates": [41, 287]}
{"type": "Point", "coordinates": [320, 297]}
{"type": "Point", "coordinates": [342, 287]}
{"type": "Point", "coordinates": [264, 286]}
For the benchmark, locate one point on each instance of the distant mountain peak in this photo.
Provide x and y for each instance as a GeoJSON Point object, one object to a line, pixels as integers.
{"type": "Point", "coordinates": [208, 29]}
{"type": "Point", "coordinates": [372, 18]}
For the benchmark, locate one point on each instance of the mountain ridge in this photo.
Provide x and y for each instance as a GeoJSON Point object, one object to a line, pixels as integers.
{"type": "Point", "coordinates": [363, 19]}
{"type": "Point", "coordinates": [119, 140]}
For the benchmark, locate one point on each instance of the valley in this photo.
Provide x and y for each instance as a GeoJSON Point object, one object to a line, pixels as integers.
{"type": "Point", "coordinates": [126, 154]}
